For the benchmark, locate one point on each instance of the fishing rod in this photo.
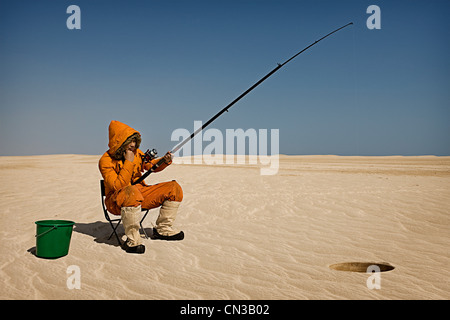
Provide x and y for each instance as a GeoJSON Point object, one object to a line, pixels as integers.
{"type": "Point", "coordinates": [207, 123]}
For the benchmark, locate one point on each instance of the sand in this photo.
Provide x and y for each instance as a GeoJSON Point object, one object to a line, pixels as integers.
{"type": "Point", "coordinates": [248, 236]}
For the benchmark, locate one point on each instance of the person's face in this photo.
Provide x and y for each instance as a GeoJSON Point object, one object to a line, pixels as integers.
{"type": "Point", "coordinates": [131, 146]}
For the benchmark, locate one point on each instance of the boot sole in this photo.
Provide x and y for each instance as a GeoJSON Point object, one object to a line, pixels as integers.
{"type": "Point", "coordinates": [140, 249]}
{"type": "Point", "coordinates": [176, 237]}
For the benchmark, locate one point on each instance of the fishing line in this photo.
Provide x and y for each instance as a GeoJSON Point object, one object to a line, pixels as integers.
{"type": "Point", "coordinates": [279, 66]}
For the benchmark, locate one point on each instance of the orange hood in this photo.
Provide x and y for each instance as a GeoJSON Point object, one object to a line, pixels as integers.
{"type": "Point", "coordinates": [118, 133]}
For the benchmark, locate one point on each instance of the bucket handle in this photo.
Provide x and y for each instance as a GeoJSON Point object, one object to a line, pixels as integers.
{"type": "Point", "coordinates": [38, 235]}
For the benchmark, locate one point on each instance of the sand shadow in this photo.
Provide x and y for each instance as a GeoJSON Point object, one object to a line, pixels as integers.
{"type": "Point", "coordinates": [32, 251]}
{"type": "Point", "coordinates": [100, 231]}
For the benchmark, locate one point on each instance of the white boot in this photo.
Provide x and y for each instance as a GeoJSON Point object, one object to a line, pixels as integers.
{"type": "Point", "coordinates": [164, 224]}
{"type": "Point", "coordinates": [130, 220]}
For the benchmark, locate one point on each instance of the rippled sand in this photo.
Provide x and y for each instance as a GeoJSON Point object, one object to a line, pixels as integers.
{"type": "Point", "coordinates": [247, 236]}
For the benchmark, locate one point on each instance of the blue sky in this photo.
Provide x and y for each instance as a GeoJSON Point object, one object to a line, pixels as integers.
{"type": "Point", "coordinates": [161, 65]}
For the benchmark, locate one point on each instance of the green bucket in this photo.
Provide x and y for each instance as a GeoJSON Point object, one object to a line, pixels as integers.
{"type": "Point", "coordinates": [53, 238]}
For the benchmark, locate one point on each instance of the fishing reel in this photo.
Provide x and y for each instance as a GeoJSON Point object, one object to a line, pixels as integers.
{"type": "Point", "coordinates": [149, 155]}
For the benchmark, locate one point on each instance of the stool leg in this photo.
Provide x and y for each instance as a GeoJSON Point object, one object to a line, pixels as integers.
{"type": "Point", "coordinates": [143, 230]}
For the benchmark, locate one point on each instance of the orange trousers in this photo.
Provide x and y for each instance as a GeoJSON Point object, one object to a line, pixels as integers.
{"type": "Point", "coordinates": [148, 197]}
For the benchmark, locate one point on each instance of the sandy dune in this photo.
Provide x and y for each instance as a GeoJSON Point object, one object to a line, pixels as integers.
{"type": "Point", "coordinates": [247, 236]}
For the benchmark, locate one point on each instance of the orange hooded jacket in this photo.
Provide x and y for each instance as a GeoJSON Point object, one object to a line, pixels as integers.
{"type": "Point", "coordinates": [120, 173]}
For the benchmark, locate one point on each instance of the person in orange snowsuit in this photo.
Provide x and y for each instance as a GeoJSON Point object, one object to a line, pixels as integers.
{"type": "Point", "coordinates": [121, 165]}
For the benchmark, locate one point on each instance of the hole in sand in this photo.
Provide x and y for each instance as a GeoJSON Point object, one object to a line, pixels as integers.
{"type": "Point", "coordinates": [361, 266]}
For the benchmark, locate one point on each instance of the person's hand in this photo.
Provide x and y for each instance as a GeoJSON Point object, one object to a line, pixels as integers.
{"type": "Point", "coordinates": [168, 157]}
{"type": "Point", "coordinates": [128, 155]}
